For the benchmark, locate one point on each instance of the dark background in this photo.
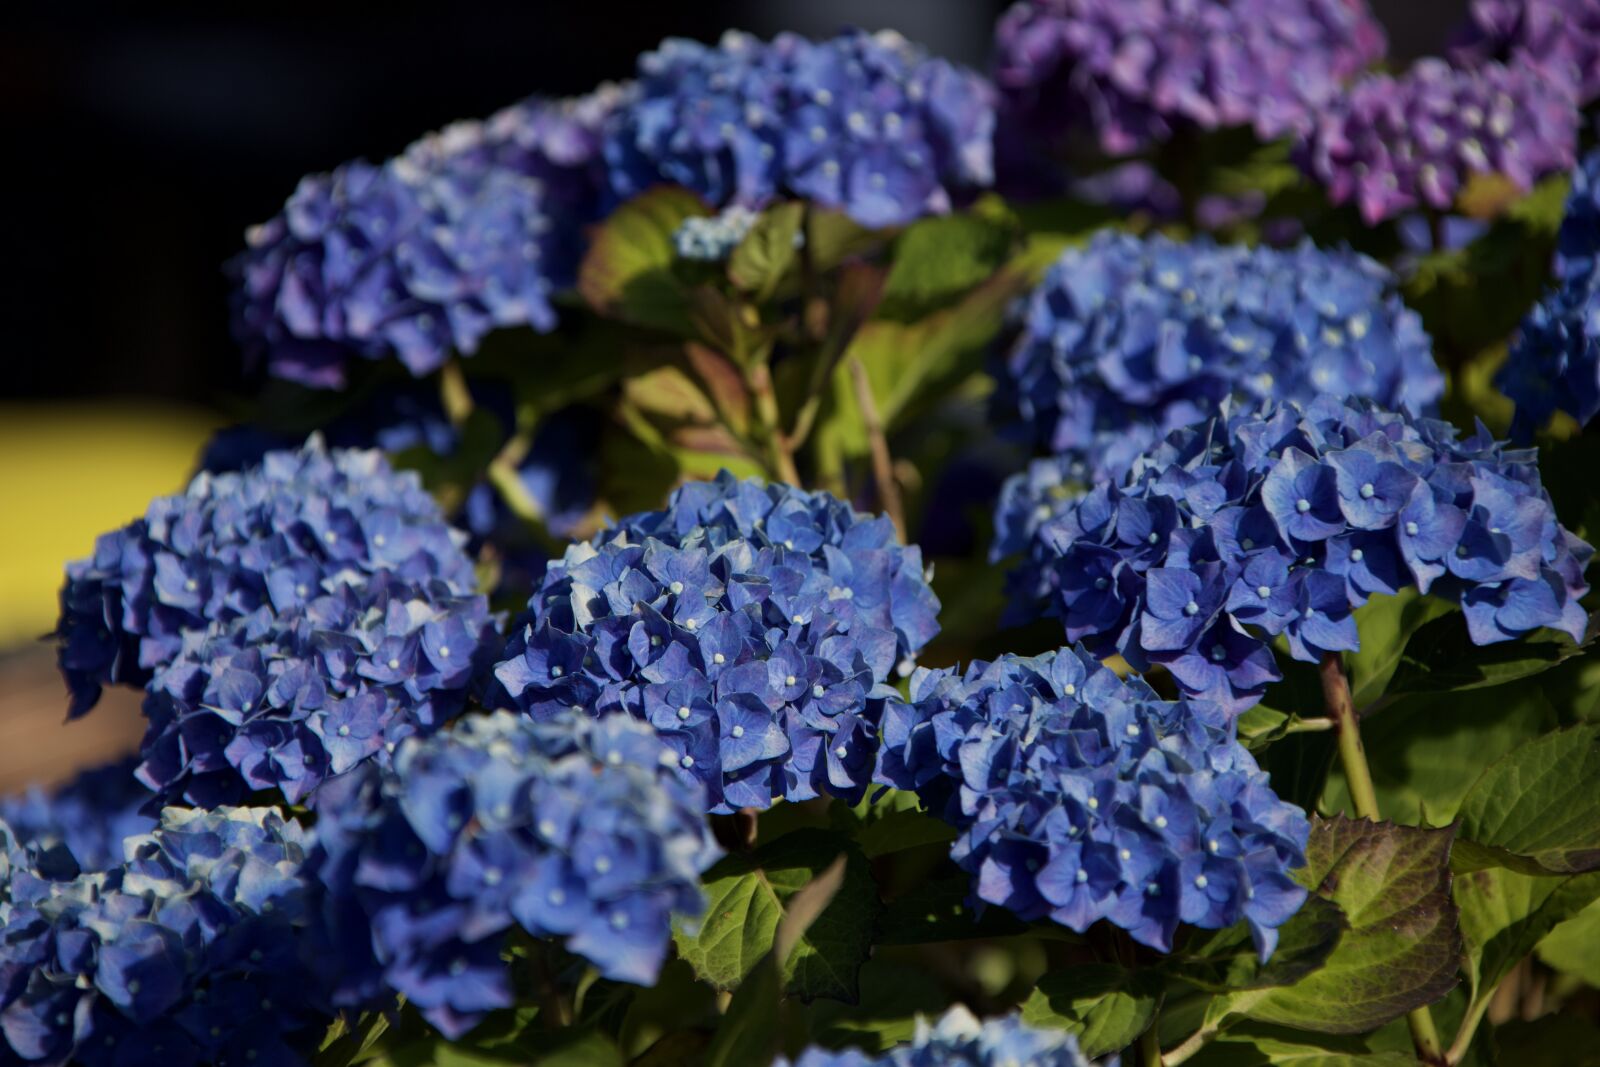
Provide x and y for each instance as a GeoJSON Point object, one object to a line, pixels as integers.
{"type": "Point", "coordinates": [137, 148]}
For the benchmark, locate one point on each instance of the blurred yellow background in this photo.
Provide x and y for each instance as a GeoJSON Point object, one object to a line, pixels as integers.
{"type": "Point", "coordinates": [67, 473]}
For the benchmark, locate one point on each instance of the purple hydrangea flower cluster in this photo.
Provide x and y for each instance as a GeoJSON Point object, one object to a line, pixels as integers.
{"type": "Point", "coordinates": [863, 122]}
{"type": "Point", "coordinates": [1559, 39]}
{"type": "Point", "coordinates": [959, 1039]}
{"type": "Point", "coordinates": [1393, 144]}
{"type": "Point", "coordinates": [1554, 363]}
{"type": "Point", "coordinates": [574, 828]}
{"type": "Point", "coordinates": [89, 816]}
{"type": "Point", "coordinates": [469, 229]}
{"type": "Point", "coordinates": [192, 951]}
{"type": "Point", "coordinates": [1081, 796]}
{"type": "Point", "coordinates": [236, 545]}
{"type": "Point", "coordinates": [1131, 72]}
{"type": "Point", "coordinates": [1129, 338]}
{"type": "Point", "coordinates": [1280, 522]}
{"type": "Point", "coordinates": [755, 626]}
{"type": "Point", "coordinates": [284, 701]}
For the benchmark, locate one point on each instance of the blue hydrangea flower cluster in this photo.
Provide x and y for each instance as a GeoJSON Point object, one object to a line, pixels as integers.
{"type": "Point", "coordinates": [469, 229]}
{"type": "Point", "coordinates": [1393, 144]}
{"type": "Point", "coordinates": [283, 701]}
{"type": "Point", "coordinates": [236, 545]}
{"type": "Point", "coordinates": [863, 122]}
{"type": "Point", "coordinates": [192, 951]}
{"type": "Point", "coordinates": [1554, 363]}
{"type": "Point", "coordinates": [712, 238]}
{"type": "Point", "coordinates": [1082, 797]}
{"type": "Point", "coordinates": [1130, 72]}
{"type": "Point", "coordinates": [1280, 522]}
{"type": "Point", "coordinates": [755, 626]}
{"type": "Point", "coordinates": [1128, 339]}
{"type": "Point", "coordinates": [959, 1039]}
{"type": "Point", "coordinates": [1560, 39]}
{"type": "Point", "coordinates": [89, 815]}
{"type": "Point", "coordinates": [574, 828]}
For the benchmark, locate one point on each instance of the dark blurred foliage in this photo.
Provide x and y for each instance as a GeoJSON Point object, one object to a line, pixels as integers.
{"type": "Point", "coordinates": [140, 145]}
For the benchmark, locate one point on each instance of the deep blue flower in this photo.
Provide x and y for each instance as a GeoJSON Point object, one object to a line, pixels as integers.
{"type": "Point", "coordinates": [1286, 519]}
{"type": "Point", "coordinates": [959, 1039]}
{"type": "Point", "coordinates": [757, 626]}
{"type": "Point", "coordinates": [1554, 363]}
{"type": "Point", "coordinates": [197, 948]}
{"type": "Point", "coordinates": [286, 622]}
{"type": "Point", "coordinates": [576, 828]}
{"type": "Point", "coordinates": [865, 123]}
{"type": "Point", "coordinates": [90, 815]}
{"type": "Point", "coordinates": [1081, 797]}
{"type": "Point", "coordinates": [469, 229]}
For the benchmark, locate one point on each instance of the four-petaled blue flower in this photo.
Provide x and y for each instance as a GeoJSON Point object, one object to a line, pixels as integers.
{"type": "Point", "coordinates": [574, 828]}
{"type": "Point", "coordinates": [862, 122]}
{"type": "Point", "coordinates": [1084, 797]}
{"type": "Point", "coordinates": [756, 626]}
{"type": "Point", "coordinates": [1284, 520]}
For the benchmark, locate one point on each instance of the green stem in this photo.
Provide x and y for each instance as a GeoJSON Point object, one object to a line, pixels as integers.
{"type": "Point", "coordinates": [1357, 773]}
{"type": "Point", "coordinates": [780, 459]}
{"type": "Point", "coordinates": [1150, 1045]}
{"type": "Point", "coordinates": [455, 396]}
{"type": "Point", "coordinates": [1308, 726]}
{"type": "Point", "coordinates": [1469, 1027]}
{"type": "Point", "coordinates": [878, 441]}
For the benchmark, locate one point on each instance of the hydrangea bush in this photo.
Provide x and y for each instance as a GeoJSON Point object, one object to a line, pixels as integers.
{"type": "Point", "coordinates": [628, 669]}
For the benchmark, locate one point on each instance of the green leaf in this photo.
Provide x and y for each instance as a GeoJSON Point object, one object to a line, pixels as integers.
{"type": "Point", "coordinates": [749, 895]}
{"type": "Point", "coordinates": [1425, 751]}
{"type": "Point", "coordinates": [1505, 914]}
{"type": "Point", "coordinates": [1226, 961]}
{"type": "Point", "coordinates": [767, 252]}
{"type": "Point", "coordinates": [902, 830]}
{"type": "Point", "coordinates": [1386, 625]}
{"type": "Point", "coordinates": [938, 910]}
{"type": "Point", "coordinates": [748, 1036]}
{"type": "Point", "coordinates": [1393, 885]}
{"type": "Point", "coordinates": [1573, 947]}
{"type": "Point", "coordinates": [578, 1048]}
{"type": "Point", "coordinates": [1441, 656]}
{"type": "Point", "coordinates": [937, 259]}
{"type": "Point", "coordinates": [627, 273]}
{"type": "Point", "coordinates": [893, 995]}
{"type": "Point", "coordinates": [1271, 1046]}
{"type": "Point", "coordinates": [1541, 802]}
{"type": "Point", "coordinates": [1105, 1006]}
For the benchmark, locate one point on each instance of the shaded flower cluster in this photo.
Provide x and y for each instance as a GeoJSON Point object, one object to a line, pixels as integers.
{"type": "Point", "coordinates": [1257, 525]}
{"type": "Point", "coordinates": [235, 546]}
{"type": "Point", "coordinates": [1554, 362]}
{"type": "Point", "coordinates": [1131, 72]}
{"type": "Point", "coordinates": [1560, 39]}
{"type": "Point", "coordinates": [1393, 144]}
{"type": "Point", "coordinates": [1130, 338]}
{"type": "Point", "coordinates": [712, 238]}
{"type": "Point", "coordinates": [863, 122]}
{"type": "Point", "coordinates": [284, 700]}
{"type": "Point", "coordinates": [1083, 797]}
{"type": "Point", "coordinates": [959, 1039]}
{"type": "Point", "coordinates": [573, 828]}
{"type": "Point", "coordinates": [89, 815]}
{"type": "Point", "coordinates": [755, 626]}
{"type": "Point", "coordinates": [469, 229]}
{"type": "Point", "coordinates": [193, 951]}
